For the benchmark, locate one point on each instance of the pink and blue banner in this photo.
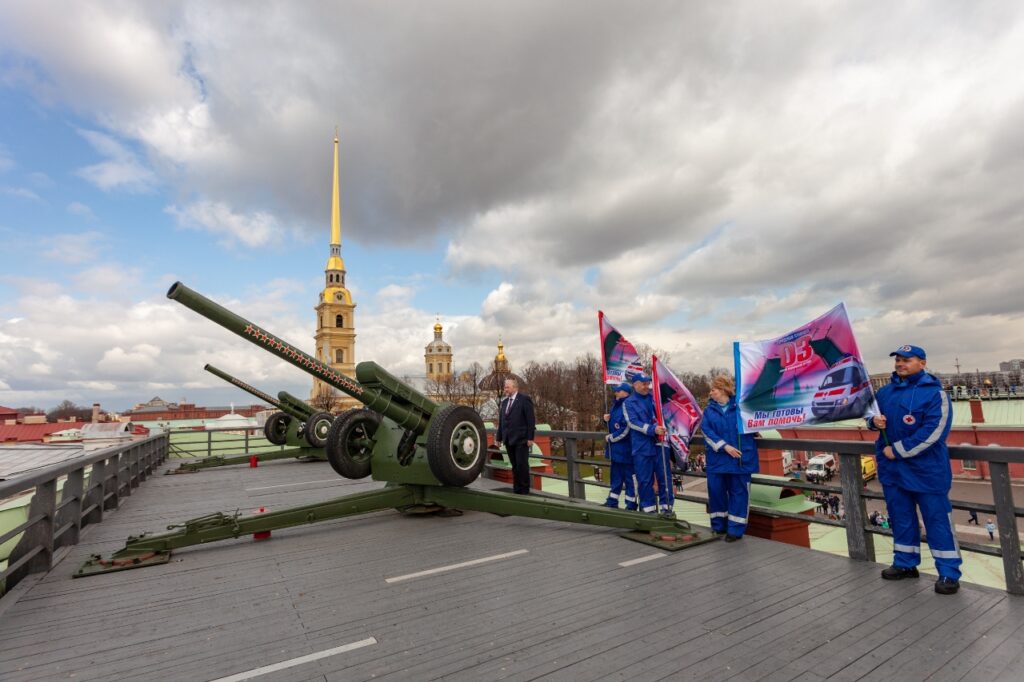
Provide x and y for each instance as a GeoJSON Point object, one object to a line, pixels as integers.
{"type": "Point", "coordinates": [619, 358]}
{"type": "Point", "coordinates": [675, 408]}
{"type": "Point", "coordinates": [812, 375]}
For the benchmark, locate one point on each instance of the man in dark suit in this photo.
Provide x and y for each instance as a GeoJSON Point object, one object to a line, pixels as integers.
{"type": "Point", "coordinates": [516, 429]}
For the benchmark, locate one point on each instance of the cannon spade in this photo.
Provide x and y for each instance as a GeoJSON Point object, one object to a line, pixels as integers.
{"type": "Point", "coordinates": [426, 452]}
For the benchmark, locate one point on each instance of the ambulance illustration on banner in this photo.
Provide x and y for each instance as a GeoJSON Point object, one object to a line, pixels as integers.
{"type": "Point", "coordinates": [844, 393]}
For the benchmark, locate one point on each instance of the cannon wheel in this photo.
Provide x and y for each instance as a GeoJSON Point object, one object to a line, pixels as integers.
{"type": "Point", "coordinates": [317, 427]}
{"type": "Point", "coordinates": [276, 428]}
{"type": "Point", "coordinates": [350, 442]}
{"type": "Point", "coordinates": [456, 443]}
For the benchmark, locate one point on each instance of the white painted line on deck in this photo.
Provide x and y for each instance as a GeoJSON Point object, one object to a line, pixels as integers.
{"type": "Point", "coordinates": [634, 562]}
{"type": "Point", "coordinates": [256, 672]}
{"type": "Point", "coordinates": [464, 564]}
{"type": "Point", "coordinates": [285, 485]}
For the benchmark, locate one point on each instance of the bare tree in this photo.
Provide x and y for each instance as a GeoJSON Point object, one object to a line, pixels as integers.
{"type": "Point", "coordinates": [324, 399]}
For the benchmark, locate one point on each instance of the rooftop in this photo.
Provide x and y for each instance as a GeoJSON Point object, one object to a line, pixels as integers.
{"type": "Point", "coordinates": [555, 601]}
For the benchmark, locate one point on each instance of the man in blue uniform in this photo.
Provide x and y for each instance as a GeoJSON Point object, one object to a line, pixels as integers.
{"type": "Point", "coordinates": [620, 452]}
{"type": "Point", "coordinates": [649, 460]}
{"type": "Point", "coordinates": [913, 467]}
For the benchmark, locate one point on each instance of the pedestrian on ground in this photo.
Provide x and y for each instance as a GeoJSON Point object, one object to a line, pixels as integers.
{"type": "Point", "coordinates": [620, 452]}
{"type": "Point", "coordinates": [913, 467]}
{"type": "Point", "coordinates": [731, 458]}
{"type": "Point", "coordinates": [991, 528]}
{"type": "Point", "coordinates": [973, 518]}
{"type": "Point", "coordinates": [517, 426]}
{"type": "Point", "coordinates": [649, 460]}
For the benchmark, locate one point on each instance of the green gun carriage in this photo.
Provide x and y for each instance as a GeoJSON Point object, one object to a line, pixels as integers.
{"type": "Point", "coordinates": [426, 453]}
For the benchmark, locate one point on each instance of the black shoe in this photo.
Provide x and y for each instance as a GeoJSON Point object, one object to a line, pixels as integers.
{"type": "Point", "coordinates": [729, 537]}
{"type": "Point", "coordinates": [717, 532]}
{"type": "Point", "coordinates": [898, 573]}
{"type": "Point", "coordinates": [946, 586]}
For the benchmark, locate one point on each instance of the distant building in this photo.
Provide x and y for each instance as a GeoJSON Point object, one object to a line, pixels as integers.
{"type": "Point", "coordinates": [335, 313]}
{"type": "Point", "coordinates": [1012, 365]}
{"type": "Point", "coordinates": [161, 410]}
{"type": "Point", "coordinates": [437, 356]}
{"type": "Point", "coordinates": [500, 371]}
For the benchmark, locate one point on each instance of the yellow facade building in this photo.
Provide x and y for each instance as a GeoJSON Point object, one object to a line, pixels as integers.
{"type": "Point", "coordinates": [335, 313]}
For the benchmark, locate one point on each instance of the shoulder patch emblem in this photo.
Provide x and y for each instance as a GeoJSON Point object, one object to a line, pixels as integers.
{"type": "Point", "coordinates": [909, 419]}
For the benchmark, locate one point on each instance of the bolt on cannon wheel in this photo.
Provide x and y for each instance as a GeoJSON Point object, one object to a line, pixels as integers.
{"type": "Point", "coordinates": [276, 428]}
{"type": "Point", "coordinates": [317, 428]}
{"type": "Point", "coordinates": [350, 442]}
{"type": "Point", "coordinates": [456, 443]}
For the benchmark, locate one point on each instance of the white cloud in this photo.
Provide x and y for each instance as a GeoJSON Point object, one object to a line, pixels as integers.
{"type": "Point", "coordinates": [81, 210]}
{"type": "Point", "coordinates": [79, 247]}
{"type": "Point", "coordinates": [121, 171]}
{"type": "Point", "coordinates": [253, 229]}
{"type": "Point", "coordinates": [20, 192]}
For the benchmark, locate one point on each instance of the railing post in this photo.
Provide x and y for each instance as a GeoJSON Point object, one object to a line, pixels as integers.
{"type": "Point", "coordinates": [94, 491]}
{"type": "Point", "coordinates": [1009, 541]}
{"type": "Point", "coordinates": [209, 443]}
{"type": "Point", "coordinates": [859, 542]}
{"type": "Point", "coordinates": [577, 490]}
{"type": "Point", "coordinates": [71, 513]}
{"type": "Point", "coordinates": [247, 441]}
{"type": "Point", "coordinates": [39, 534]}
{"type": "Point", "coordinates": [112, 482]}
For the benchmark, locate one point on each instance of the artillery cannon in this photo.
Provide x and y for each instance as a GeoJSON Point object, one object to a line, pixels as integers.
{"type": "Point", "coordinates": [289, 426]}
{"type": "Point", "coordinates": [296, 423]}
{"type": "Point", "coordinates": [425, 451]}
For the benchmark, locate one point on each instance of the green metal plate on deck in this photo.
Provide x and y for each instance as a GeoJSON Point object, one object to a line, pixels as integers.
{"type": "Point", "coordinates": [672, 539]}
{"type": "Point", "coordinates": [97, 564]}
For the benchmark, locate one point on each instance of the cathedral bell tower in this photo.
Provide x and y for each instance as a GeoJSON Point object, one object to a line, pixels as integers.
{"type": "Point", "coordinates": [335, 313]}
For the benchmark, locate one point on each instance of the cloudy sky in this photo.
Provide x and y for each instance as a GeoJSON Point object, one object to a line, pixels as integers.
{"type": "Point", "coordinates": [702, 172]}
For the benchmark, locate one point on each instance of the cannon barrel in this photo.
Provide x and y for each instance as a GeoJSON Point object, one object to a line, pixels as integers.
{"type": "Point", "coordinates": [244, 386]}
{"type": "Point", "coordinates": [407, 408]}
{"type": "Point", "coordinates": [289, 402]}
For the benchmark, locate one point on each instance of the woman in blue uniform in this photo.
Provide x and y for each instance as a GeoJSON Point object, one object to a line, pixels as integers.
{"type": "Point", "coordinates": [731, 459]}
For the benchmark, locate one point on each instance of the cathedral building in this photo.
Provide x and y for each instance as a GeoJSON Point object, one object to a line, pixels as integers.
{"type": "Point", "coordinates": [335, 313]}
{"type": "Point", "coordinates": [437, 356]}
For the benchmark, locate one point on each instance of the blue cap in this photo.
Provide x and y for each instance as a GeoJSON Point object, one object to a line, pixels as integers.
{"type": "Point", "coordinates": [640, 377]}
{"type": "Point", "coordinates": [909, 351]}
{"type": "Point", "coordinates": [623, 387]}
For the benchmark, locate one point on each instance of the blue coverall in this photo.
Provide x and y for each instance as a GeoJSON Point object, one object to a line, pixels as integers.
{"type": "Point", "coordinates": [728, 476]}
{"type": "Point", "coordinates": [918, 418]}
{"type": "Point", "coordinates": [650, 459]}
{"type": "Point", "coordinates": [621, 453]}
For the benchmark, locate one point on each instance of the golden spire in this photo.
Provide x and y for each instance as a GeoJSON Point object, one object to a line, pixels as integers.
{"type": "Point", "coordinates": [500, 357]}
{"type": "Point", "coordinates": [336, 204]}
{"type": "Point", "coordinates": [437, 325]}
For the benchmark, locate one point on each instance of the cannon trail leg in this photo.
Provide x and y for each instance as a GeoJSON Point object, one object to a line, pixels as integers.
{"type": "Point", "coordinates": [666, 533]}
{"type": "Point", "coordinates": [218, 461]}
{"type": "Point", "coordinates": [146, 550]}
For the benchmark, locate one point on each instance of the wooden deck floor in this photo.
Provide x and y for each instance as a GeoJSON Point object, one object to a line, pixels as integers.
{"type": "Point", "coordinates": [562, 609]}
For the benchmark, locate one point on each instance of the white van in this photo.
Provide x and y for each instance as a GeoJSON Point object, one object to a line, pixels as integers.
{"type": "Point", "coordinates": [821, 468]}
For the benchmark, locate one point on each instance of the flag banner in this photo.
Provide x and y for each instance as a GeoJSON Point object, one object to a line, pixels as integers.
{"type": "Point", "coordinates": [618, 356]}
{"type": "Point", "coordinates": [675, 408]}
{"type": "Point", "coordinates": [812, 375]}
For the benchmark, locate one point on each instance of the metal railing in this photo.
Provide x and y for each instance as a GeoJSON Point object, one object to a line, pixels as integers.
{"type": "Point", "coordinates": [94, 483]}
{"type": "Point", "coordinates": [209, 442]}
{"type": "Point", "coordinates": [859, 543]}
